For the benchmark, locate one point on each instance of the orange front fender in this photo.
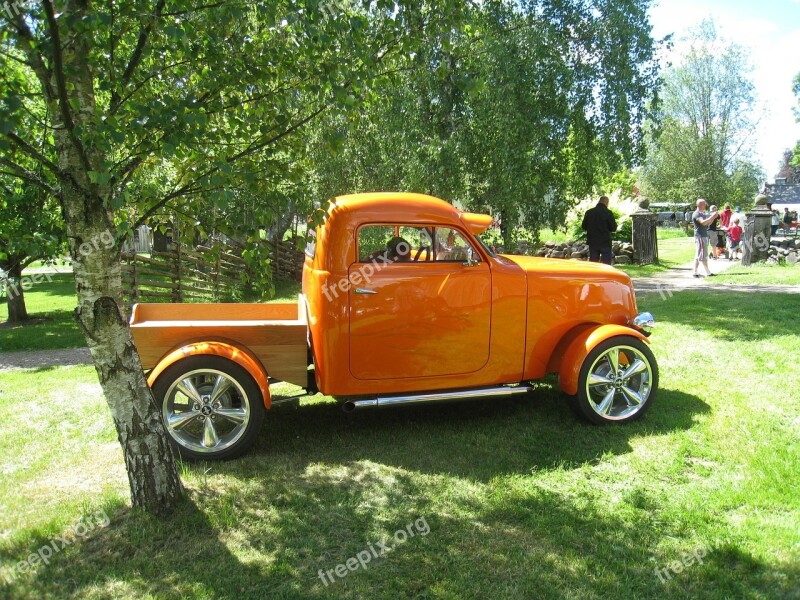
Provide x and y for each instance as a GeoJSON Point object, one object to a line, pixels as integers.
{"type": "Point", "coordinates": [579, 349]}
{"type": "Point", "coordinates": [237, 355]}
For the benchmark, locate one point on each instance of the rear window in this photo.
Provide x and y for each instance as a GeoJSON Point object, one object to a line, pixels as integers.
{"type": "Point", "coordinates": [311, 243]}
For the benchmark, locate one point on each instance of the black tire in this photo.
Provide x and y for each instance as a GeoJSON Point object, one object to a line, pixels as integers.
{"type": "Point", "coordinates": [204, 426]}
{"type": "Point", "coordinates": [608, 397]}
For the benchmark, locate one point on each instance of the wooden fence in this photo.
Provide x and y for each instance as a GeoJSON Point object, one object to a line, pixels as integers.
{"type": "Point", "coordinates": [181, 275]}
{"type": "Point", "coordinates": [199, 274]}
{"type": "Point", "coordinates": [286, 259]}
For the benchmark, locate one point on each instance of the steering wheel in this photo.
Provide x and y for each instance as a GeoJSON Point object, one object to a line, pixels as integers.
{"type": "Point", "coordinates": [419, 252]}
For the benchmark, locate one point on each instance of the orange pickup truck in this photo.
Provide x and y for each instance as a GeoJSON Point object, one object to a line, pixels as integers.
{"type": "Point", "coordinates": [401, 304]}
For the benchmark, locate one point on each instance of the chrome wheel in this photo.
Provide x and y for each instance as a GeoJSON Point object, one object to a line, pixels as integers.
{"type": "Point", "coordinates": [206, 411]}
{"type": "Point", "coordinates": [619, 382]}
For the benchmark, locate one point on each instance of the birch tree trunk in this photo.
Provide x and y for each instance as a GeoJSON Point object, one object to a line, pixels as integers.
{"type": "Point", "coordinates": [91, 233]}
{"type": "Point", "coordinates": [149, 460]}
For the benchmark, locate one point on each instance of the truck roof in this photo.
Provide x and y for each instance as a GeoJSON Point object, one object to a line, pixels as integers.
{"type": "Point", "coordinates": [392, 205]}
{"type": "Point", "coordinates": [406, 207]}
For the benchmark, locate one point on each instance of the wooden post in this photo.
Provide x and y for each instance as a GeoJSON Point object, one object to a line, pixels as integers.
{"type": "Point", "coordinates": [644, 237]}
{"type": "Point", "coordinates": [177, 297]}
{"type": "Point", "coordinates": [757, 233]}
{"type": "Point", "coordinates": [216, 275]}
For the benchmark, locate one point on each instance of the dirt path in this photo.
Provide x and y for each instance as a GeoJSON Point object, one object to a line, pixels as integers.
{"type": "Point", "coordinates": [44, 358]}
{"type": "Point", "coordinates": [681, 278]}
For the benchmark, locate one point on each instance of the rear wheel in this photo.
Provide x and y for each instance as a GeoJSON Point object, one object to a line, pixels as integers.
{"type": "Point", "coordinates": [211, 407]}
{"type": "Point", "coordinates": [618, 381]}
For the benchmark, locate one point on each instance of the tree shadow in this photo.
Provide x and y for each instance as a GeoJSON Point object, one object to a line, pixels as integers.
{"type": "Point", "coordinates": [291, 526]}
{"type": "Point", "coordinates": [322, 487]}
{"type": "Point", "coordinates": [134, 556]}
{"type": "Point", "coordinates": [479, 440]}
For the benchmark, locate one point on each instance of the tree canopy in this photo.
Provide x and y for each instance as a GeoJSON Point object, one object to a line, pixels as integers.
{"type": "Point", "coordinates": [701, 146]}
{"type": "Point", "coordinates": [180, 103]}
{"type": "Point", "coordinates": [523, 109]}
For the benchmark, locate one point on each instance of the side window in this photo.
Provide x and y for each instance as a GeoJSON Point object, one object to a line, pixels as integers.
{"type": "Point", "coordinates": [452, 246]}
{"type": "Point", "coordinates": [394, 243]}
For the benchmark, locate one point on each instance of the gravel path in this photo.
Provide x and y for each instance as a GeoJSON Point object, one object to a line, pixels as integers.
{"type": "Point", "coordinates": [682, 278]}
{"type": "Point", "coordinates": [44, 358]}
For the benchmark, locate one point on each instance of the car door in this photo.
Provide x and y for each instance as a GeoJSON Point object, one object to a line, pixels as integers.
{"type": "Point", "coordinates": [419, 306]}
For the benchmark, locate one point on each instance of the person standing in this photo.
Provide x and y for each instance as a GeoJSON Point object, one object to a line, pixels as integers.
{"type": "Point", "coordinates": [714, 234]}
{"type": "Point", "coordinates": [734, 239]}
{"type": "Point", "coordinates": [775, 220]}
{"type": "Point", "coordinates": [599, 224]}
{"type": "Point", "coordinates": [787, 221]}
{"type": "Point", "coordinates": [725, 217]}
{"type": "Point", "coordinates": [701, 221]}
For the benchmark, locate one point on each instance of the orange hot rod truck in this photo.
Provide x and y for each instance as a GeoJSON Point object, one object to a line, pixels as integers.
{"type": "Point", "coordinates": [401, 304]}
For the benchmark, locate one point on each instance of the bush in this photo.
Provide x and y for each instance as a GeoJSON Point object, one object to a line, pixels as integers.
{"type": "Point", "coordinates": [622, 209]}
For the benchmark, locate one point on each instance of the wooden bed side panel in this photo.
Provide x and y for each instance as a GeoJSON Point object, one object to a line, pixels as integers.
{"type": "Point", "coordinates": [281, 347]}
{"type": "Point", "coordinates": [216, 312]}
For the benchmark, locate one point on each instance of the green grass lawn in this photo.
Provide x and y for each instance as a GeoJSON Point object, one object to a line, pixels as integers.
{"type": "Point", "coordinates": [520, 499]}
{"type": "Point", "coordinates": [761, 274]}
{"type": "Point", "coordinates": [673, 251]}
{"type": "Point", "coordinates": [50, 306]}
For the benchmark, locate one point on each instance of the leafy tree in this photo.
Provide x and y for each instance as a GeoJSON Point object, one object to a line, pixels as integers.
{"type": "Point", "coordinates": [30, 229]}
{"type": "Point", "coordinates": [706, 128]}
{"type": "Point", "coordinates": [518, 112]}
{"type": "Point", "coordinates": [173, 103]}
{"type": "Point", "coordinates": [790, 167]}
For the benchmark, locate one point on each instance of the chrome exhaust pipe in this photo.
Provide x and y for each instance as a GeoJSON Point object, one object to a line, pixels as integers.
{"type": "Point", "coordinates": [444, 396]}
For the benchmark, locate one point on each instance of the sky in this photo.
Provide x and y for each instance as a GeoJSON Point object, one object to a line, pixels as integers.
{"type": "Point", "coordinates": [770, 30]}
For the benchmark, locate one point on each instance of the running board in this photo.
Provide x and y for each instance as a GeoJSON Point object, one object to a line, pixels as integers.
{"type": "Point", "coordinates": [444, 396]}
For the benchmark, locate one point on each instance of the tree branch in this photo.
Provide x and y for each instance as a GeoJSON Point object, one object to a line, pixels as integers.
{"type": "Point", "coordinates": [27, 44]}
{"type": "Point", "coordinates": [120, 101]}
{"type": "Point", "coordinates": [191, 186]}
{"type": "Point", "coordinates": [61, 83]}
{"type": "Point", "coordinates": [34, 154]}
{"type": "Point", "coordinates": [180, 13]}
{"type": "Point", "coordinates": [136, 55]}
{"type": "Point", "coordinates": [29, 176]}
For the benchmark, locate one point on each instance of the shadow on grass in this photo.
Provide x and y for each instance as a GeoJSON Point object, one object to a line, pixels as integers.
{"type": "Point", "coordinates": [322, 486]}
{"type": "Point", "coordinates": [134, 556]}
{"type": "Point", "coordinates": [478, 440]}
{"type": "Point", "coordinates": [289, 520]}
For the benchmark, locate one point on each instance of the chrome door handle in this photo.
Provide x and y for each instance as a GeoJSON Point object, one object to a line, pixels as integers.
{"type": "Point", "coordinates": [364, 291]}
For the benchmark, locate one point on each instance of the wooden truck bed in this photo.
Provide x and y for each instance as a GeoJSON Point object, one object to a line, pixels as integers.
{"type": "Point", "coordinates": [276, 334]}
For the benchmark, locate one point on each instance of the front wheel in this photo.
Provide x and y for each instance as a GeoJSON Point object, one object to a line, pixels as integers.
{"type": "Point", "coordinates": [618, 381]}
{"type": "Point", "coordinates": [211, 407]}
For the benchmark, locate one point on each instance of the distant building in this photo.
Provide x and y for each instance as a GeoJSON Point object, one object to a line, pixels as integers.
{"type": "Point", "coordinates": [781, 192]}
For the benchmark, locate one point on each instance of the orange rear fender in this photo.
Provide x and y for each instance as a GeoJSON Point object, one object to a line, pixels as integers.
{"type": "Point", "coordinates": [580, 348]}
{"type": "Point", "coordinates": [241, 357]}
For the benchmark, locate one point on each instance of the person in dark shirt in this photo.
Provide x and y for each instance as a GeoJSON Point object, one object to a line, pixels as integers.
{"type": "Point", "coordinates": [787, 221]}
{"type": "Point", "coordinates": [599, 224]}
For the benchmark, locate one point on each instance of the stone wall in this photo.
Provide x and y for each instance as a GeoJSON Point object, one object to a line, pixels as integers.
{"type": "Point", "coordinates": [787, 249]}
{"type": "Point", "coordinates": [623, 251]}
